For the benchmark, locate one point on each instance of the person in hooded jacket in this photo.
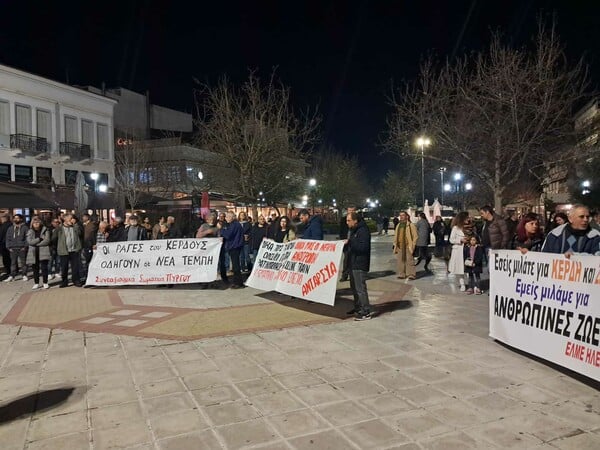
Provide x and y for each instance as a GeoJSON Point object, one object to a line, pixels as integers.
{"type": "Point", "coordinates": [313, 226]}
{"type": "Point", "coordinates": [359, 263]}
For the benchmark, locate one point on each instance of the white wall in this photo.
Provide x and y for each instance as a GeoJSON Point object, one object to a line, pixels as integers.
{"type": "Point", "coordinates": [60, 100]}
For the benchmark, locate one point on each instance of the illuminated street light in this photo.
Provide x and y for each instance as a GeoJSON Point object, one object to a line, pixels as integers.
{"type": "Point", "coordinates": [312, 182]}
{"type": "Point", "coordinates": [442, 171]}
{"type": "Point", "coordinates": [102, 188]}
{"type": "Point", "coordinates": [457, 176]}
{"type": "Point", "coordinates": [423, 142]}
{"type": "Point", "coordinates": [586, 184]}
{"type": "Point", "coordinates": [468, 186]}
{"type": "Point", "coordinates": [447, 187]}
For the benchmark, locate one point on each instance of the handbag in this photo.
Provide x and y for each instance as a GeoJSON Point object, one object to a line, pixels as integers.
{"type": "Point", "coordinates": [469, 262]}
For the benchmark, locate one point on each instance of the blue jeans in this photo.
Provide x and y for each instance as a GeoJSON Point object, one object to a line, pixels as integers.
{"type": "Point", "coordinates": [245, 263]}
{"type": "Point", "coordinates": [358, 284]}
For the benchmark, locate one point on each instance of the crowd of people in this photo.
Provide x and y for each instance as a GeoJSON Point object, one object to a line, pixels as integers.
{"type": "Point", "coordinates": [469, 246]}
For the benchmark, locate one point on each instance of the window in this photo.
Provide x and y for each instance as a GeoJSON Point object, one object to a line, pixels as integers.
{"type": "Point", "coordinates": [44, 175]}
{"type": "Point", "coordinates": [70, 177]}
{"type": "Point", "coordinates": [24, 173]}
{"type": "Point", "coordinates": [4, 172]}
{"type": "Point", "coordinates": [4, 117]}
{"type": "Point", "coordinates": [44, 126]}
{"type": "Point", "coordinates": [23, 114]}
{"type": "Point", "coordinates": [71, 134]}
{"type": "Point", "coordinates": [102, 148]}
{"type": "Point", "coordinates": [87, 133]}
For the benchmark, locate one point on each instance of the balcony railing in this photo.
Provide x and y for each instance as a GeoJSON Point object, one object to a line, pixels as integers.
{"type": "Point", "coordinates": [75, 150]}
{"type": "Point", "coordinates": [29, 144]}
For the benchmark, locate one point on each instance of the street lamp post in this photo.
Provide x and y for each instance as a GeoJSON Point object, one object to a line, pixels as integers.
{"type": "Point", "coordinates": [94, 176]}
{"type": "Point", "coordinates": [423, 142]}
{"type": "Point", "coordinates": [312, 183]}
{"type": "Point", "coordinates": [442, 170]}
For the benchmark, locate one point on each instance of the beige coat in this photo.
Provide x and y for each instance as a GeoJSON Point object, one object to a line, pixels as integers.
{"type": "Point", "coordinates": [411, 237]}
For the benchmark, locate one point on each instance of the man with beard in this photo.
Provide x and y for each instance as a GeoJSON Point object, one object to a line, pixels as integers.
{"type": "Point", "coordinates": [575, 236]}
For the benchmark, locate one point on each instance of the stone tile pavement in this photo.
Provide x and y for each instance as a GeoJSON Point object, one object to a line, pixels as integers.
{"type": "Point", "coordinates": [425, 376]}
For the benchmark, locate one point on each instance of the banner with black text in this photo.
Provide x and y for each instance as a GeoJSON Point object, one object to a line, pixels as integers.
{"type": "Point", "coordinates": [302, 268]}
{"type": "Point", "coordinates": [548, 305]}
{"type": "Point", "coordinates": [168, 261]}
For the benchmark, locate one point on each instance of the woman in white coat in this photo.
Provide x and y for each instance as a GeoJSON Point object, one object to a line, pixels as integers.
{"type": "Point", "coordinates": [456, 265]}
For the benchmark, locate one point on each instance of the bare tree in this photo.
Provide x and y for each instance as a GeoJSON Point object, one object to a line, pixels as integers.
{"type": "Point", "coordinates": [132, 176]}
{"type": "Point", "coordinates": [254, 131]}
{"type": "Point", "coordinates": [339, 177]}
{"type": "Point", "coordinates": [498, 114]}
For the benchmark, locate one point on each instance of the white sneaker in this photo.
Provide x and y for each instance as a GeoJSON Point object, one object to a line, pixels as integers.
{"type": "Point", "coordinates": [462, 288]}
{"type": "Point", "coordinates": [25, 278]}
{"type": "Point", "coordinates": [46, 286]}
{"type": "Point", "coordinates": [478, 291]}
{"type": "Point", "coordinates": [34, 287]}
{"type": "Point", "coordinates": [10, 278]}
{"type": "Point", "coordinates": [51, 277]}
{"type": "Point", "coordinates": [58, 276]}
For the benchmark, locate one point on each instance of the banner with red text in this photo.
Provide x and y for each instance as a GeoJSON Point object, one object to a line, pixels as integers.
{"type": "Point", "coordinates": [548, 305]}
{"type": "Point", "coordinates": [168, 261]}
{"type": "Point", "coordinates": [302, 268]}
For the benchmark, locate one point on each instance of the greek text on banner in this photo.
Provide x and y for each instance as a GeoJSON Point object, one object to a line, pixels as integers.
{"type": "Point", "coordinates": [302, 268]}
{"type": "Point", "coordinates": [169, 261]}
{"type": "Point", "coordinates": [548, 305]}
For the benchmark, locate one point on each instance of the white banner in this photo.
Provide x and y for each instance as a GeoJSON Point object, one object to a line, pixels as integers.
{"type": "Point", "coordinates": [548, 305]}
{"type": "Point", "coordinates": [168, 261]}
{"type": "Point", "coordinates": [302, 268]}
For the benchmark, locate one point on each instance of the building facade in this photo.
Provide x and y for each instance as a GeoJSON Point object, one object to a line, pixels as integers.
{"type": "Point", "coordinates": [49, 131]}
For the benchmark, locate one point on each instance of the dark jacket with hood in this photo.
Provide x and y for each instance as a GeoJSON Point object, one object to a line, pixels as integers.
{"type": "Point", "coordinates": [359, 247]}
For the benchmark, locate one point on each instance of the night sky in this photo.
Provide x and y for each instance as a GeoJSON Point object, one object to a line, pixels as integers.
{"type": "Point", "coordinates": [340, 55]}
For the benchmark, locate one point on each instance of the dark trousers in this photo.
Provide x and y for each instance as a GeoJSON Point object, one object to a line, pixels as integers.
{"type": "Point", "coordinates": [423, 253]}
{"type": "Point", "coordinates": [43, 266]}
{"type": "Point", "coordinates": [73, 259]}
{"type": "Point", "coordinates": [345, 272]}
{"type": "Point", "coordinates": [234, 255]}
{"type": "Point", "coordinates": [245, 262]}
{"type": "Point", "coordinates": [5, 258]}
{"type": "Point", "coordinates": [358, 284]}
{"type": "Point", "coordinates": [474, 280]}
{"type": "Point", "coordinates": [223, 264]}
{"type": "Point", "coordinates": [17, 261]}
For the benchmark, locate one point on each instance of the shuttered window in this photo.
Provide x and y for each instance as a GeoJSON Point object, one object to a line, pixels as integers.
{"type": "Point", "coordinates": [71, 134]}
{"type": "Point", "coordinates": [44, 125]}
{"type": "Point", "coordinates": [23, 114]}
{"type": "Point", "coordinates": [4, 118]}
{"type": "Point", "coordinates": [87, 133]}
{"type": "Point", "coordinates": [102, 150]}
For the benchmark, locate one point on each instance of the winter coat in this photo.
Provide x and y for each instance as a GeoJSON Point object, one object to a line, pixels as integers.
{"type": "Point", "coordinates": [439, 229]}
{"type": "Point", "coordinates": [314, 229]}
{"type": "Point", "coordinates": [284, 236]}
{"type": "Point", "coordinates": [3, 230]}
{"type": "Point", "coordinates": [456, 265]}
{"type": "Point", "coordinates": [41, 244]}
{"type": "Point", "coordinates": [359, 247]}
{"type": "Point", "coordinates": [16, 237]}
{"type": "Point", "coordinates": [233, 236]}
{"type": "Point", "coordinates": [257, 234]}
{"type": "Point", "coordinates": [410, 239]}
{"type": "Point", "coordinates": [477, 259]}
{"type": "Point", "coordinates": [563, 239]}
{"type": "Point", "coordinates": [117, 234]}
{"type": "Point", "coordinates": [423, 233]}
{"type": "Point", "coordinates": [61, 243]}
{"type": "Point", "coordinates": [498, 232]}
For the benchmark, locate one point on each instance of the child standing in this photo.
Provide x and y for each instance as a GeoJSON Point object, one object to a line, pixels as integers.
{"type": "Point", "coordinates": [473, 257]}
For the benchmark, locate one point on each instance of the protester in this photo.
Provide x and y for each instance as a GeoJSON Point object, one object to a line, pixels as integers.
{"type": "Point", "coordinates": [574, 237]}
{"type": "Point", "coordinates": [90, 228]}
{"type": "Point", "coordinates": [359, 260]}
{"type": "Point", "coordinates": [208, 230]}
{"type": "Point", "coordinates": [528, 235]}
{"type": "Point", "coordinates": [285, 233]}
{"type": "Point", "coordinates": [439, 232]}
{"type": "Point", "coordinates": [156, 227]}
{"type": "Point", "coordinates": [313, 226]}
{"type": "Point", "coordinates": [233, 236]}
{"type": "Point", "coordinates": [54, 258]}
{"type": "Point", "coordinates": [473, 264]}
{"type": "Point", "coordinates": [101, 234]}
{"type": "Point", "coordinates": [148, 227]}
{"type": "Point", "coordinates": [257, 234]}
{"type": "Point", "coordinates": [423, 239]}
{"type": "Point", "coordinates": [117, 232]}
{"type": "Point", "coordinates": [245, 253]}
{"type": "Point", "coordinates": [174, 230]}
{"type": "Point", "coordinates": [4, 226]}
{"type": "Point", "coordinates": [494, 234]}
{"type": "Point", "coordinates": [456, 265]}
{"type": "Point", "coordinates": [135, 232]}
{"type": "Point", "coordinates": [344, 234]}
{"type": "Point", "coordinates": [16, 243]}
{"type": "Point", "coordinates": [38, 256]}
{"type": "Point", "coordinates": [69, 250]}
{"type": "Point", "coordinates": [405, 240]}
{"type": "Point", "coordinates": [559, 219]}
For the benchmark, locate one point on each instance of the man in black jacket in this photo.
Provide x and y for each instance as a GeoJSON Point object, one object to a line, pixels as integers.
{"type": "Point", "coordinates": [359, 262]}
{"type": "Point", "coordinates": [4, 226]}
